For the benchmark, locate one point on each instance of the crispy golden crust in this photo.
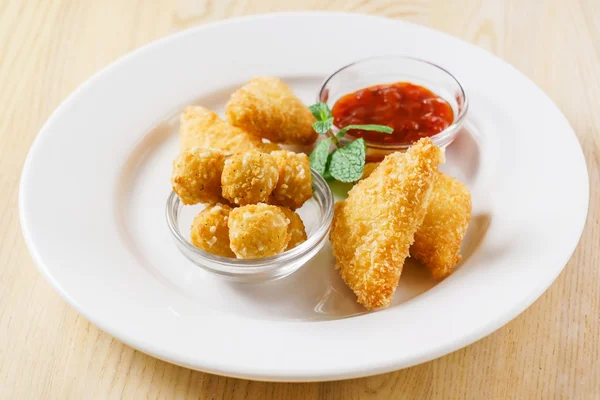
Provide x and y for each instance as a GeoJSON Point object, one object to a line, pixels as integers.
{"type": "Point", "coordinates": [374, 227]}
{"type": "Point", "coordinates": [201, 127]}
{"type": "Point", "coordinates": [196, 175]}
{"type": "Point", "coordinates": [295, 228]}
{"type": "Point", "coordinates": [258, 230]}
{"type": "Point", "coordinates": [249, 178]}
{"type": "Point", "coordinates": [437, 242]}
{"type": "Point", "coordinates": [294, 186]}
{"type": "Point", "coordinates": [210, 231]}
{"type": "Point", "coordinates": [267, 107]}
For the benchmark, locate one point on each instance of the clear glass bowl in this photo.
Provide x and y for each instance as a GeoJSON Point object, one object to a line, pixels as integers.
{"type": "Point", "coordinates": [316, 214]}
{"type": "Point", "coordinates": [397, 68]}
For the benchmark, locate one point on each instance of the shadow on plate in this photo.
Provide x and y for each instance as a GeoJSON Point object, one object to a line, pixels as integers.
{"type": "Point", "coordinates": [317, 292]}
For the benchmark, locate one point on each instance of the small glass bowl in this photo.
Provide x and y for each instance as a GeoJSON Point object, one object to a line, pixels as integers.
{"type": "Point", "coordinates": [391, 69]}
{"type": "Point", "coordinates": [316, 214]}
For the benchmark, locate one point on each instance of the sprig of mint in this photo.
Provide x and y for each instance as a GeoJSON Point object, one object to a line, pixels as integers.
{"type": "Point", "coordinates": [345, 163]}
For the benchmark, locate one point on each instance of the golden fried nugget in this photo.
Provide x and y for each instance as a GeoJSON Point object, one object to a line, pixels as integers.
{"type": "Point", "coordinates": [201, 127]}
{"type": "Point", "coordinates": [258, 230]}
{"type": "Point", "coordinates": [249, 178]}
{"type": "Point", "coordinates": [368, 169]}
{"type": "Point", "coordinates": [294, 186]}
{"type": "Point", "coordinates": [196, 175]}
{"type": "Point", "coordinates": [210, 231]}
{"type": "Point", "coordinates": [266, 107]}
{"type": "Point", "coordinates": [437, 242]}
{"type": "Point", "coordinates": [374, 227]}
{"type": "Point", "coordinates": [295, 228]}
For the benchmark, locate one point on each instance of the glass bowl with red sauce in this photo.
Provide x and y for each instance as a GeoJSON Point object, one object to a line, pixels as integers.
{"type": "Point", "coordinates": [414, 97]}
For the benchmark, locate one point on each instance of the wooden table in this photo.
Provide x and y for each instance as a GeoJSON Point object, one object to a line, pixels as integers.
{"type": "Point", "coordinates": [48, 351]}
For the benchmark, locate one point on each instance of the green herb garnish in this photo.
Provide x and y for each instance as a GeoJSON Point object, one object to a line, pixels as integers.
{"type": "Point", "coordinates": [368, 127]}
{"type": "Point", "coordinates": [319, 157]}
{"type": "Point", "coordinates": [345, 163]}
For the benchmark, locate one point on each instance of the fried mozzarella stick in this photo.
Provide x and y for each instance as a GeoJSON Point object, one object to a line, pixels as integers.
{"type": "Point", "coordinates": [437, 242]}
{"type": "Point", "coordinates": [267, 107]}
{"type": "Point", "coordinates": [374, 227]}
{"type": "Point", "coordinates": [200, 127]}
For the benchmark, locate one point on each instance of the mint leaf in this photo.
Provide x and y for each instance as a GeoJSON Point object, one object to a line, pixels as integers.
{"type": "Point", "coordinates": [368, 127]}
{"type": "Point", "coordinates": [318, 157]}
{"type": "Point", "coordinates": [322, 127]}
{"type": "Point", "coordinates": [327, 176]}
{"type": "Point", "coordinates": [347, 163]}
{"type": "Point", "coordinates": [320, 111]}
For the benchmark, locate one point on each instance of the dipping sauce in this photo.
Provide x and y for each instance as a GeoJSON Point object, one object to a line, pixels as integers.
{"type": "Point", "coordinates": [411, 110]}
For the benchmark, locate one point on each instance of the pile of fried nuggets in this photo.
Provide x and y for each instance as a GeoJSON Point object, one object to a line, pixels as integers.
{"type": "Point", "coordinates": [251, 187]}
{"type": "Point", "coordinates": [402, 206]}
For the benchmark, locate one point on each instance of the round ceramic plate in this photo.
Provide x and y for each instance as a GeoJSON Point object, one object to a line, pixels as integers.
{"type": "Point", "coordinates": [95, 183]}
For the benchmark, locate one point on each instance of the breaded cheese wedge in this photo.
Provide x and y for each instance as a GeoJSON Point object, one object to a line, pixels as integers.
{"type": "Point", "coordinates": [368, 169]}
{"type": "Point", "coordinates": [374, 227]}
{"type": "Point", "coordinates": [267, 107]}
{"type": "Point", "coordinates": [200, 127]}
{"type": "Point", "coordinates": [437, 242]}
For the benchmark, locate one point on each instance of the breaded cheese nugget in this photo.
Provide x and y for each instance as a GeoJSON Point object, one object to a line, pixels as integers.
{"type": "Point", "coordinates": [196, 175]}
{"type": "Point", "coordinates": [294, 186]}
{"type": "Point", "coordinates": [267, 107]}
{"type": "Point", "coordinates": [374, 227]}
{"type": "Point", "coordinates": [210, 231]}
{"type": "Point", "coordinates": [249, 178]}
{"type": "Point", "coordinates": [437, 242]}
{"type": "Point", "coordinates": [200, 127]}
{"type": "Point", "coordinates": [295, 228]}
{"type": "Point", "coordinates": [258, 230]}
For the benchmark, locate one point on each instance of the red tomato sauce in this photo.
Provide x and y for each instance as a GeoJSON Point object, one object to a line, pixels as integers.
{"type": "Point", "coordinates": [411, 110]}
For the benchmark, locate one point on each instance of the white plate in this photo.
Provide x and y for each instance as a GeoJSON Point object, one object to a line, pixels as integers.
{"type": "Point", "coordinates": [95, 182]}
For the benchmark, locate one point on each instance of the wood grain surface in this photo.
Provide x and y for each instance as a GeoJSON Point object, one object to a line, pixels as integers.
{"type": "Point", "coordinates": [48, 351]}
